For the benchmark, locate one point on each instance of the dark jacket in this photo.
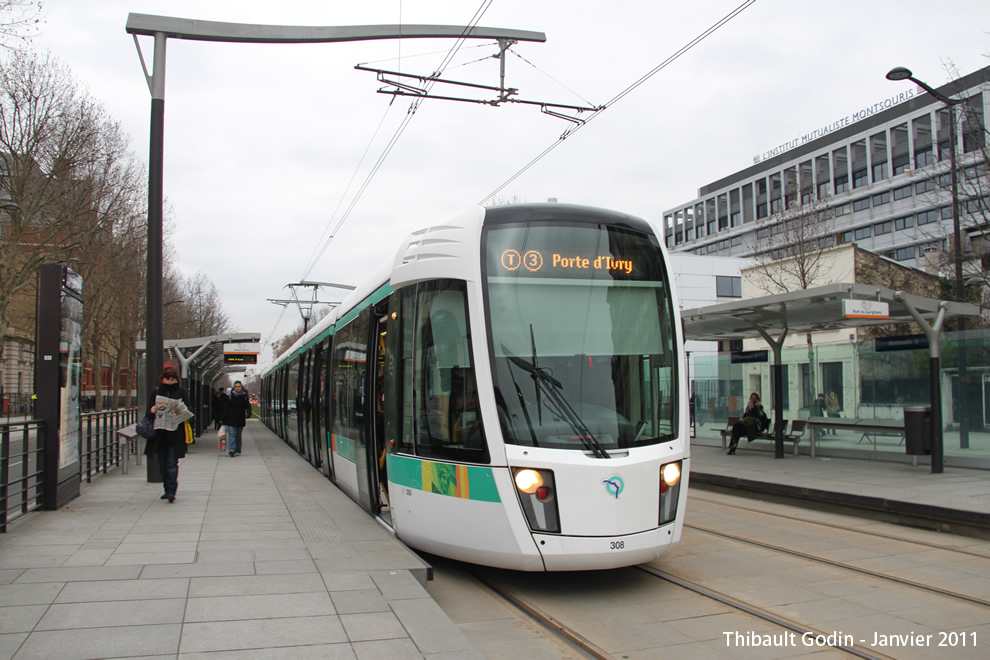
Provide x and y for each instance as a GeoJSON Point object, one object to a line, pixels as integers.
{"type": "Point", "coordinates": [176, 438]}
{"type": "Point", "coordinates": [220, 402]}
{"type": "Point", "coordinates": [762, 422]}
{"type": "Point", "coordinates": [238, 409]}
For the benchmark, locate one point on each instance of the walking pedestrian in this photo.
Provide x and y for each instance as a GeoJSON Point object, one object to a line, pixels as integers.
{"type": "Point", "coordinates": [169, 446]}
{"type": "Point", "coordinates": [235, 417]}
{"type": "Point", "coordinates": [220, 400]}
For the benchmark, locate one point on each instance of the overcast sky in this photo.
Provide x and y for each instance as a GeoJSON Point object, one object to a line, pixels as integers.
{"type": "Point", "coordinates": [262, 141]}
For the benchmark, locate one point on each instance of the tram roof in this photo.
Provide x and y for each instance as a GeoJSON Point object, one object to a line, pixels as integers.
{"type": "Point", "coordinates": [809, 310]}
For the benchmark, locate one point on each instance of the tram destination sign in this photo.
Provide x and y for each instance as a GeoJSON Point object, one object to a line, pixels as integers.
{"type": "Point", "coordinates": [580, 252]}
{"type": "Point", "coordinates": [536, 260]}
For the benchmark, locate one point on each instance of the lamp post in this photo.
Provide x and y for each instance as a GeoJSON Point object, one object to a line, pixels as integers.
{"type": "Point", "coordinates": [901, 73]}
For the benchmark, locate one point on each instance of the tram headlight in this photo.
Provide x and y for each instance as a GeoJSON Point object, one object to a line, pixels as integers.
{"type": "Point", "coordinates": [528, 481]}
{"type": "Point", "coordinates": [537, 496]}
{"type": "Point", "coordinates": [670, 488]}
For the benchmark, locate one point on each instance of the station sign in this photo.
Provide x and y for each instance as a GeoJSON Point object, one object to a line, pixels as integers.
{"type": "Point", "coordinates": [901, 343]}
{"type": "Point", "coordinates": [865, 309]}
{"type": "Point", "coordinates": [745, 357]}
{"type": "Point", "coordinates": [241, 353]}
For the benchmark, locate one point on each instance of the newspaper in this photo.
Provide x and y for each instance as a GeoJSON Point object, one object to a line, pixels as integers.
{"type": "Point", "coordinates": [169, 413]}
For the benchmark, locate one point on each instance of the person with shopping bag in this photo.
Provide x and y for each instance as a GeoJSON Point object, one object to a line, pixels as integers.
{"type": "Point", "coordinates": [235, 417]}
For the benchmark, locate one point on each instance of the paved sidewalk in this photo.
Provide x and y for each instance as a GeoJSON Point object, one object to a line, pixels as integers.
{"type": "Point", "coordinates": [259, 557]}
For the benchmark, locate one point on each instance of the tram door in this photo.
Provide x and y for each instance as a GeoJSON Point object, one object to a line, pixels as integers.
{"type": "Point", "coordinates": [303, 407]}
{"type": "Point", "coordinates": [376, 406]}
{"type": "Point", "coordinates": [316, 396]}
{"type": "Point", "coordinates": [326, 400]}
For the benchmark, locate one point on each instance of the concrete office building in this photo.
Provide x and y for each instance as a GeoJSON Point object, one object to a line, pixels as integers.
{"type": "Point", "coordinates": [878, 178]}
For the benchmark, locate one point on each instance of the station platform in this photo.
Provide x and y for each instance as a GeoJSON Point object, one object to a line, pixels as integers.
{"type": "Point", "coordinates": [956, 500]}
{"type": "Point", "coordinates": [260, 556]}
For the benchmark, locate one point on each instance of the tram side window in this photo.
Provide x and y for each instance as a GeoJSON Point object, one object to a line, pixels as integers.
{"type": "Point", "coordinates": [293, 390]}
{"type": "Point", "coordinates": [441, 416]}
{"type": "Point", "coordinates": [350, 351]}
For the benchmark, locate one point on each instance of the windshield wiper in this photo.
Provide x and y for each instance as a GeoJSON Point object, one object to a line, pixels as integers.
{"type": "Point", "coordinates": [522, 404]}
{"type": "Point", "coordinates": [536, 370]}
{"type": "Point", "coordinates": [553, 389]}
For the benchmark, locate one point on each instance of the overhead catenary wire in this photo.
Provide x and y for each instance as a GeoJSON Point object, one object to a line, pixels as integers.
{"type": "Point", "coordinates": [268, 339]}
{"type": "Point", "coordinates": [327, 231]}
{"type": "Point", "coordinates": [657, 69]}
{"type": "Point", "coordinates": [322, 247]}
{"type": "Point", "coordinates": [414, 106]}
{"type": "Point", "coordinates": [586, 101]}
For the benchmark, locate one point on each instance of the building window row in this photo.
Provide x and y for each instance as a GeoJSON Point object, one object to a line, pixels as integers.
{"type": "Point", "coordinates": [919, 141]}
{"type": "Point", "coordinates": [922, 218]}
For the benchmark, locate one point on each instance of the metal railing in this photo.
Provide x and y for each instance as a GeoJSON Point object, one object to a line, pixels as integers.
{"type": "Point", "coordinates": [22, 447]}
{"type": "Point", "coordinates": [99, 447]}
{"type": "Point", "coordinates": [16, 405]}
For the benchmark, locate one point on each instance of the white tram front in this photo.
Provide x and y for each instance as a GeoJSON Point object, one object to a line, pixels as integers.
{"type": "Point", "coordinates": [513, 395]}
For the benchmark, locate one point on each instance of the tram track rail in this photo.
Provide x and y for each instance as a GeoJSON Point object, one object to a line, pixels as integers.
{"type": "Point", "coordinates": [583, 646]}
{"type": "Point", "coordinates": [568, 633]}
{"type": "Point", "coordinates": [755, 611]}
{"type": "Point", "coordinates": [846, 567]}
{"type": "Point", "coordinates": [822, 523]}
{"type": "Point", "coordinates": [586, 648]}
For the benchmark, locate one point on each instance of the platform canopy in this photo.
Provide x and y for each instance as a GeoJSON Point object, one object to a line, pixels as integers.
{"type": "Point", "coordinates": [830, 307]}
{"type": "Point", "coordinates": [205, 354]}
{"type": "Point", "coordinates": [809, 310]}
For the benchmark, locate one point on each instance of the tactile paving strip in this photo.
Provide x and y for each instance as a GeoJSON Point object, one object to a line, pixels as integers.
{"type": "Point", "coordinates": [322, 537]}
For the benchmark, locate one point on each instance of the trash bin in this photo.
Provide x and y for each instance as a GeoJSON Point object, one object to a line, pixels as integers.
{"type": "Point", "coordinates": [918, 430]}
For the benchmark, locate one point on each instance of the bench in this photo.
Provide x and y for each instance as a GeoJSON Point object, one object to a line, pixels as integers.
{"type": "Point", "coordinates": [854, 424]}
{"type": "Point", "coordinates": [795, 436]}
{"type": "Point", "coordinates": [726, 433]}
{"type": "Point", "coordinates": [128, 437]}
{"type": "Point", "coordinates": [885, 434]}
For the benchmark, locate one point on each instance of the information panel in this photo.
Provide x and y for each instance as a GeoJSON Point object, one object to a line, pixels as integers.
{"type": "Point", "coordinates": [241, 353]}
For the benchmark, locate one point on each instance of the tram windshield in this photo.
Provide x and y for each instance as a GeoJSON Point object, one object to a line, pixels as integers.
{"type": "Point", "coordinates": [581, 337]}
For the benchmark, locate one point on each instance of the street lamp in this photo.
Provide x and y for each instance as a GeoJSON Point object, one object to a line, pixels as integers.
{"type": "Point", "coordinates": [901, 73]}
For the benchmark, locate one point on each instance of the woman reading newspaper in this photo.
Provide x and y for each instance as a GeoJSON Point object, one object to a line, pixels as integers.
{"type": "Point", "coordinates": [168, 406]}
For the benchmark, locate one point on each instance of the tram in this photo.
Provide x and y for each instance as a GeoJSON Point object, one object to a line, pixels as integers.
{"type": "Point", "coordinates": [508, 391]}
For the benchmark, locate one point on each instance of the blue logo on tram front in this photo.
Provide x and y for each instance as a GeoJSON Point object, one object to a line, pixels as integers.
{"type": "Point", "coordinates": [614, 485]}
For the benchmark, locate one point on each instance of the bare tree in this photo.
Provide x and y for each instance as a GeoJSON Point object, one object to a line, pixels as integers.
{"type": "Point", "coordinates": [59, 161]}
{"type": "Point", "coordinates": [111, 263]}
{"type": "Point", "coordinates": [205, 307]}
{"type": "Point", "coordinates": [20, 20]}
{"type": "Point", "coordinates": [130, 288]}
{"type": "Point", "coordinates": [793, 243]}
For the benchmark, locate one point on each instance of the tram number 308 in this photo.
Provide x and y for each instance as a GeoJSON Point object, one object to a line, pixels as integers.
{"type": "Point", "coordinates": [617, 545]}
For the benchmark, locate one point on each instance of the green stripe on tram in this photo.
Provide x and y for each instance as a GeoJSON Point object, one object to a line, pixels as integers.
{"type": "Point", "coordinates": [465, 481]}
